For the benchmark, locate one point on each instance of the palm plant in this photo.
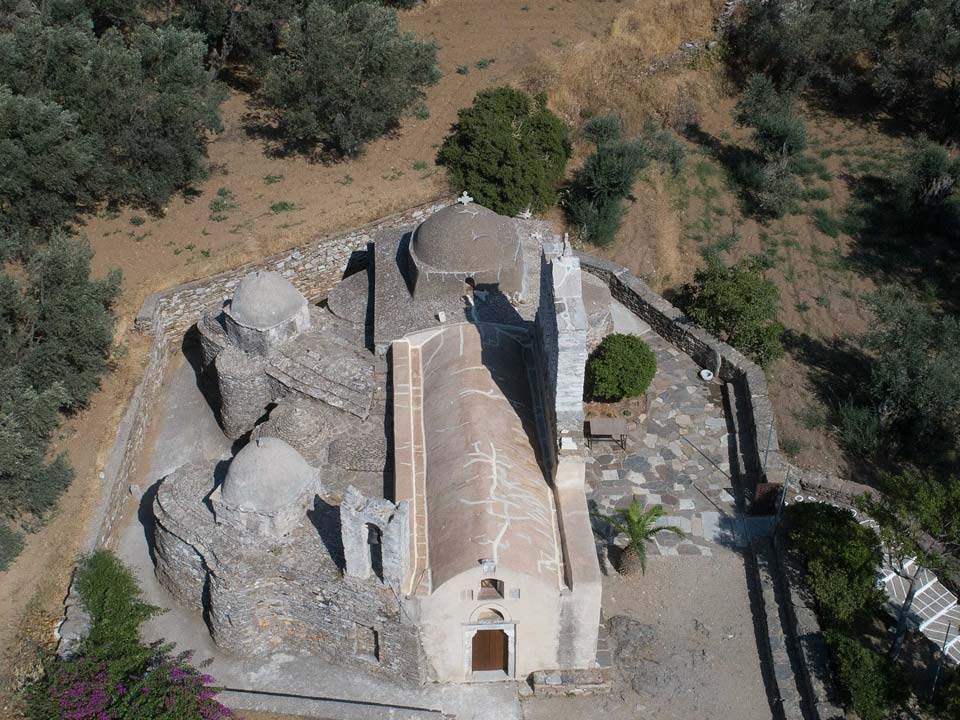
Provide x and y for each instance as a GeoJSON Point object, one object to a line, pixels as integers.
{"type": "Point", "coordinates": [640, 526]}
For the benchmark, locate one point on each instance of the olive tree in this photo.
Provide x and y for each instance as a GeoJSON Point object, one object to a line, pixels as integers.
{"type": "Point", "coordinates": [345, 78]}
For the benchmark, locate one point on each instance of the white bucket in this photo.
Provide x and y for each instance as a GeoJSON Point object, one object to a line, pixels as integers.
{"type": "Point", "coordinates": [706, 375]}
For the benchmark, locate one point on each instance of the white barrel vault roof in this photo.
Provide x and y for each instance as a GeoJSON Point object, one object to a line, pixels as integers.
{"type": "Point", "coordinates": [467, 454]}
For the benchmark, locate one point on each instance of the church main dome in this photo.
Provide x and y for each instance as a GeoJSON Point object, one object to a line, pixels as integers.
{"type": "Point", "coordinates": [465, 241]}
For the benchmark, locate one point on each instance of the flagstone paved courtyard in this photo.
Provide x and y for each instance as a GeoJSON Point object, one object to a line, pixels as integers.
{"type": "Point", "coordinates": [677, 454]}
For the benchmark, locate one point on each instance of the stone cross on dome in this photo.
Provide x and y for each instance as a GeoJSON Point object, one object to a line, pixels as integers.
{"type": "Point", "coordinates": [464, 198]}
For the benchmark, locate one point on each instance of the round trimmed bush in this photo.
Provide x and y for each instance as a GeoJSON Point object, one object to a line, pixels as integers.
{"type": "Point", "coordinates": [621, 366]}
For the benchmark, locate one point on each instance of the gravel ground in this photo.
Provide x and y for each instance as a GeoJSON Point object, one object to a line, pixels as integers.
{"type": "Point", "coordinates": [684, 646]}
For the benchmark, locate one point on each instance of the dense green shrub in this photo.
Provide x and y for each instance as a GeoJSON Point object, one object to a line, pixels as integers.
{"type": "Point", "coordinates": [861, 428]}
{"type": "Point", "coordinates": [777, 131]}
{"type": "Point", "coordinates": [593, 199]}
{"type": "Point", "coordinates": [664, 146]}
{"type": "Point", "coordinates": [841, 557]}
{"type": "Point", "coordinates": [921, 190]}
{"type": "Point", "coordinates": [345, 78]}
{"type": "Point", "coordinates": [872, 684]}
{"type": "Point", "coordinates": [913, 390]}
{"type": "Point", "coordinates": [769, 189]}
{"type": "Point", "coordinates": [115, 675]}
{"type": "Point", "coordinates": [779, 136]}
{"type": "Point", "coordinates": [111, 595]}
{"type": "Point", "coordinates": [507, 150]}
{"type": "Point", "coordinates": [593, 223]}
{"type": "Point", "coordinates": [622, 366]}
{"type": "Point", "coordinates": [738, 305]}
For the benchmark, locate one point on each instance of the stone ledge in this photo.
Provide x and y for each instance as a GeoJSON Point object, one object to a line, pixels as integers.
{"type": "Point", "coordinates": [548, 683]}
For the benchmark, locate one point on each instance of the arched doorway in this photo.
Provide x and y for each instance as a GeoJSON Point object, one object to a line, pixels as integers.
{"type": "Point", "coordinates": [491, 651]}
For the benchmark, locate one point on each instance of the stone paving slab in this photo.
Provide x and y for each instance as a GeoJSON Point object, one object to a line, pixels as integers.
{"type": "Point", "coordinates": [677, 454]}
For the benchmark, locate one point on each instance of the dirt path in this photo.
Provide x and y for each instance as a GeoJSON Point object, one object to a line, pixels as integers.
{"type": "Point", "coordinates": [395, 173]}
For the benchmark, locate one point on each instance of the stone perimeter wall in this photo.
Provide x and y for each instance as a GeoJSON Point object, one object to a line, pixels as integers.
{"type": "Point", "coordinates": [796, 659]}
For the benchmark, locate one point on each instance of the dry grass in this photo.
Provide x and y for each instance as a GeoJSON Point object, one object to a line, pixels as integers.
{"type": "Point", "coordinates": [612, 74]}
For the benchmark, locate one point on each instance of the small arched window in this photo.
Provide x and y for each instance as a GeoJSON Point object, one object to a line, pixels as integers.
{"type": "Point", "coordinates": [491, 589]}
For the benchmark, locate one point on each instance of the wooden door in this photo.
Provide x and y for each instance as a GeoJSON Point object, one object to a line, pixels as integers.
{"type": "Point", "coordinates": [490, 650]}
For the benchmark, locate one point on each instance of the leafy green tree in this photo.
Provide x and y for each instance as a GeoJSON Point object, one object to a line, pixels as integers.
{"type": "Point", "coordinates": [947, 698]}
{"type": "Point", "coordinates": [45, 165]}
{"type": "Point", "coordinates": [345, 78]}
{"type": "Point", "coordinates": [621, 366]}
{"type": "Point", "coordinates": [640, 526]}
{"type": "Point", "coordinates": [103, 14]}
{"type": "Point", "coordinates": [906, 53]}
{"type": "Point", "coordinates": [246, 30]}
{"type": "Point", "coordinates": [11, 543]}
{"type": "Point", "coordinates": [911, 506]}
{"type": "Point", "coordinates": [921, 65]}
{"type": "Point", "coordinates": [251, 31]}
{"type": "Point", "coordinates": [55, 337]}
{"type": "Point", "coordinates": [913, 388]}
{"type": "Point", "coordinates": [30, 483]}
{"type": "Point", "coordinates": [507, 150]}
{"type": "Point", "coordinates": [143, 100]}
{"type": "Point", "coordinates": [71, 324]}
{"type": "Point", "coordinates": [738, 305]}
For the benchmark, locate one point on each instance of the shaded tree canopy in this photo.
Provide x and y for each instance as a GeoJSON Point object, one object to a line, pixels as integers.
{"type": "Point", "coordinates": [345, 78]}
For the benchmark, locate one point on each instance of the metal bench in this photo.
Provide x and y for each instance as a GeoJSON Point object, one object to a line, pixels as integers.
{"type": "Point", "coordinates": [614, 429]}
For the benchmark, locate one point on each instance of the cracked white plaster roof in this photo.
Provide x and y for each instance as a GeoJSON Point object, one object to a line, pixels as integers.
{"type": "Point", "coordinates": [264, 299]}
{"type": "Point", "coordinates": [485, 493]}
{"type": "Point", "coordinates": [466, 238]}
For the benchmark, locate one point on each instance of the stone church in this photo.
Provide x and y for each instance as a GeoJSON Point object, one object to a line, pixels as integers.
{"type": "Point", "coordinates": [408, 496]}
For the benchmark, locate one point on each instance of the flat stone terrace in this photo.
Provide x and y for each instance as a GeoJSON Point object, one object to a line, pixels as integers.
{"type": "Point", "coordinates": [677, 454]}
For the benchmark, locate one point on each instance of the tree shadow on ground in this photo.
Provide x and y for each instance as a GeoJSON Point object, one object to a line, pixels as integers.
{"type": "Point", "coordinates": [747, 176]}
{"type": "Point", "coordinates": [921, 253]}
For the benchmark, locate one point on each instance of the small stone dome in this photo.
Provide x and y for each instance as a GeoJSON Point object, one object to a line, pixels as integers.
{"type": "Point", "coordinates": [266, 476]}
{"type": "Point", "coordinates": [264, 299]}
{"type": "Point", "coordinates": [465, 239]}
